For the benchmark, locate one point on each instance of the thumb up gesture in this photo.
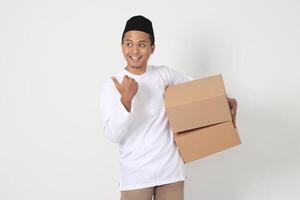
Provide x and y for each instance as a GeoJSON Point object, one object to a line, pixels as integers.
{"type": "Point", "coordinates": [127, 88]}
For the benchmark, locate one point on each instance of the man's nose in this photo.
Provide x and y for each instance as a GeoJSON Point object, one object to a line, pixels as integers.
{"type": "Point", "coordinates": [136, 49]}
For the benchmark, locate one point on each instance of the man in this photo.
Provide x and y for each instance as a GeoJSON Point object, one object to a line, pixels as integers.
{"type": "Point", "coordinates": [132, 105]}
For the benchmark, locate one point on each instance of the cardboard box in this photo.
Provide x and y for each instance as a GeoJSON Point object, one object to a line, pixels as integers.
{"type": "Point", "coordinates": [197, 103]}
{"type": "Point", "coordinates": [201, 142]}
{"type": "Point", "coordinates": [200, 117]}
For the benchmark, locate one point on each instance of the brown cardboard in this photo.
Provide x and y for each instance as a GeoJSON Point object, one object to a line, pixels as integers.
{"type": "Point", "coordinates": [201, 142]}
{"type": "Point", "coordinates": [197, 103]}
{"type": "Point", "coordinates": [200, 117]}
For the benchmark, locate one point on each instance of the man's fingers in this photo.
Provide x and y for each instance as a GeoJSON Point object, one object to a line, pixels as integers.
{"type": "Point", "coordinates": [233, 107]}
{"type": "Point", "coordinates": [128, 80]}
{"type": "Point", "coordinates": [232, 103]}
{"type": "Point", "coordinates": [116, 82]}
{"type": "Point", "coordinates": [228, 102]}
{"type": "Point", "coordinates": [233, 116]}
{"type": "Point", "coordinates": [234, 123]}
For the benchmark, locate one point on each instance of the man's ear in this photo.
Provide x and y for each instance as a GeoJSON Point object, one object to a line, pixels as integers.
{"type": "Point", "coordinates": [153, 48]}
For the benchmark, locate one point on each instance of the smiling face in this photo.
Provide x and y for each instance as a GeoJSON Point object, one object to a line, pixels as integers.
{"type": "Point", "coordinates": [137, 49]}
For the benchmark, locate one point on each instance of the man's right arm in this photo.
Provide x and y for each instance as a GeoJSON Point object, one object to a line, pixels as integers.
{"type": "Point", "coordinates": [116, 109]}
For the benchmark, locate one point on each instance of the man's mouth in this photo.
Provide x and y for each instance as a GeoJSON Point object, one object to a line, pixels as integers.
{"type": "Point", "coordinates": [135, 58]}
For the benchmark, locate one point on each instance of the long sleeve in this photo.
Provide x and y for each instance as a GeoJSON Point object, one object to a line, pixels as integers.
{"type": "Point", "coordinates": [172, 77]}
{"type": "Point", "coordinates": [115, 118]}
{"type": "Point", "coordinates": [143, 135]}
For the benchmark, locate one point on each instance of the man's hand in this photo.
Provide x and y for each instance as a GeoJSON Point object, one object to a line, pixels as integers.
{"type": "Point", "coordinates": [128, 88]}
{"type": "Point", "coordinates": [233, 107]}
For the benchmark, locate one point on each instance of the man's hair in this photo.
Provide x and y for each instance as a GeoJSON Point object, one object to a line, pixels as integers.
{"type": "Point", "coordinates": [139, 23]}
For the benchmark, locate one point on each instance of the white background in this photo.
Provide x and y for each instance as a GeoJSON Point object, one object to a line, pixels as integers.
{"type": "Point", "coordinates": [54, 55]}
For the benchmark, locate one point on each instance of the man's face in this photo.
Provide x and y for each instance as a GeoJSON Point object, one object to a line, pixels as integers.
{"type": "Point", "coordinates": [137, 49]}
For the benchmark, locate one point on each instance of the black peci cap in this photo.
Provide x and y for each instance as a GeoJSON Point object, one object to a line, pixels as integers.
{"type": "Point", "coordinates": [139, 23]}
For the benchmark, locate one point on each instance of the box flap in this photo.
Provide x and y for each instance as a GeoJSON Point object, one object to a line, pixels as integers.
{"type": "Point", "coordinates": [196, 90]}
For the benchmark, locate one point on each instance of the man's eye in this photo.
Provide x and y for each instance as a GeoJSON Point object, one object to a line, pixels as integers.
{"type": "Point", "coordinates": [129, 44]}
{"type": "Point", "coordinates": [142, 45]}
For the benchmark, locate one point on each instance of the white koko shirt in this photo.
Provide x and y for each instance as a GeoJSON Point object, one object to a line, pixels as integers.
{"type": "Point", "coordinates": [148, 153]}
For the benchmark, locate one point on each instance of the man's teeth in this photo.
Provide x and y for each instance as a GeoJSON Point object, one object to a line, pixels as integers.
{"type": "Point", "coordinates": [135, 57]}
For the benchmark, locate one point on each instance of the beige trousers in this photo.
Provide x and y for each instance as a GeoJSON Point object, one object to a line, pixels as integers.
{"type": "Point", "coordinates": [171, 191]}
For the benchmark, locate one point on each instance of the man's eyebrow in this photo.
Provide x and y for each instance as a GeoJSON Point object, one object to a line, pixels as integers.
{"type": "Point", "coordinates": [137, 41]}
